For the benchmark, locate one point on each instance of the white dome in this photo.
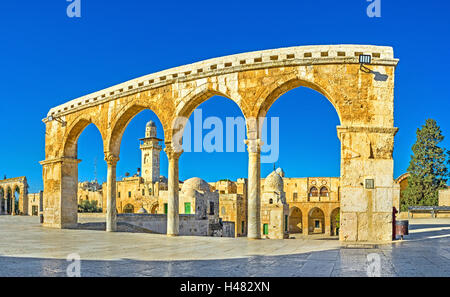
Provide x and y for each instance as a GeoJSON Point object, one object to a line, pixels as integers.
{"type": "Point", "coordinates": [142, 210]}
{"type": "Point", "coordinates": [195, 183]}
{"type": "Point", "coordinates": [273, 183]}
{"type": "Point", "coordinates": [280, 172]}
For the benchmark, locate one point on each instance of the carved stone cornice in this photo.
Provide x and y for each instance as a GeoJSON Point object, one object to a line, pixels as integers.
{"type": "Point", "coordinates": [60, 160]}
{"type": "Point", "coordinates": [360, 129]}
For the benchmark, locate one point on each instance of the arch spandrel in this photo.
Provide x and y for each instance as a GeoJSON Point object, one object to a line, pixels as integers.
{"type": "Point", "coordinates": [159, 102]}
{"type": "Point", "coordinates": [358, 98]}
{"type": "Point", "coordinates": [76, 128]}
{"type": "Point", "coordinates": [61, 139]}
{"type": "Point", "coordinates": [196, 96]}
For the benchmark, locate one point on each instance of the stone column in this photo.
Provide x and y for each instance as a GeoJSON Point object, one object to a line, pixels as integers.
{"type": "Point", "coordinates": [13, 203]}
{"type": "Point", "coordinates": [173, 189]}
{"type": "Point", "coordinates": [305, 222]}
{"type": "Point", "coordinates": [254, 189]}
{"type": "Point", "coordinates": [327, 222]}
{"type": "Point", "coordinates": [2, 204]}
{"type": "Point", "coordinates": [111, 211]}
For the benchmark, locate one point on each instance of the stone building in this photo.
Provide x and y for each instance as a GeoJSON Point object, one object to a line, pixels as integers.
{"type": "Point", "coordinates": [233, 203]}
{"type": "Point", "coordinates": [91, 191]}
{"type": "Point", "coordinates": [35, 203]}
{"type": "Point", "coordinates": [311, 204]}
{"type": "Point", "coordinates": [314, 204]}
{"type": "Point", "coordinates": [274, 208]}
{"type": "Point", "coordinates": [444, 197]}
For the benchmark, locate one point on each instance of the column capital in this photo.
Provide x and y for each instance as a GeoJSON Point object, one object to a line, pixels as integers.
{"type": "Point", "coordinates": [254, 145]}
{"type": "Point", "coordinates": [111, 159]}
{"type": "Point", "coordinates": [171, 152]}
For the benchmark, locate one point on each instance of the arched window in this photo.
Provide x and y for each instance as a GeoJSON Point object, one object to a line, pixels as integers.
{"type": "Point", "coordinates": [324, 192]}
{"type": "Point", "coordinates": [271, 201]}
{"type": "Point", "coordinates": [313, 192]}
{"type": "Point", "coordinates": [129, 208]}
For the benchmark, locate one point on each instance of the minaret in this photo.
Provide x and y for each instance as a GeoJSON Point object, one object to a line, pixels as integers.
{"type": "Point", "coordinates": [150, 154]}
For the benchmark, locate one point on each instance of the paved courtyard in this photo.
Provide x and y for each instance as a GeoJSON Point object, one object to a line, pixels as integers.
{"type": "Point", "coordinates": [27, 249]}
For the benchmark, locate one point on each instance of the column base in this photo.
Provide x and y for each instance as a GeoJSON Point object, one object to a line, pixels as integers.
{"type": "Point", "coordinates": [172, 235]}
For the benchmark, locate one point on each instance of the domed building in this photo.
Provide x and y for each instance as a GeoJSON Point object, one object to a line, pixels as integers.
{"type": "Point", "coordinates": [273, 183]}
{"type": "Point", "coordinates": [196, 198]}
{"type": "Point", "coordinates": [274, 209]}
{"type": "Point", "coordinates": [196, 183]}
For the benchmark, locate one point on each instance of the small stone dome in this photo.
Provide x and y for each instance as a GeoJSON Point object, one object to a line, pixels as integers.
{"type": "Point", "coordinates": [273, 183]}
{"type": "Point", "coordinates": [280, 172]}
{"type": "Point", "coordinates": [141, 210]}
{"type": "Point", "coordinates": [195, 183]}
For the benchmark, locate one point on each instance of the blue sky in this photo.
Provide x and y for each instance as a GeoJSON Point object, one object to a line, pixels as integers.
{"type": "Point", "coordinates": [47, 59]}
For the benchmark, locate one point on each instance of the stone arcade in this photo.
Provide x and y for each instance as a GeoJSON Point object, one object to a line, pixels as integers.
{"type": "Point", "coordinates": [363, 101]}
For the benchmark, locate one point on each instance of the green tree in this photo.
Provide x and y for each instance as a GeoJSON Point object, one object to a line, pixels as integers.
{"type": "Point", "coordinates": [89, 206]}
{"type": "Point", "coordinates": [427, 168]}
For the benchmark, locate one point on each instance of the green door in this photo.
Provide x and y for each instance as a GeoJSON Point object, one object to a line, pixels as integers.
{"type": "Point", "coordinates": [165, 208]}
{"type": "Point", "coordinates": [187, 207]}
{"type": "Point", "coordinates": [266, 229]}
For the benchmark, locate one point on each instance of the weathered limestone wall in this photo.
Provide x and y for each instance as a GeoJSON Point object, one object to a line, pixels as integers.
{"type": "Point", "coordinates": [34, 203]}
{"type": "Point", "coordinates": [232, 208]}
{"type": "Point", "coordinates": [85, 194]}
{"type": "Point", "coordinates": [189, 224]}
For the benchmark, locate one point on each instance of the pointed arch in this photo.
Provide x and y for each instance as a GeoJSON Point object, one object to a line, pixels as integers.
{"type": "Point", "coordinates": [75, 130]}
{"type": "Point", "coordinates": [192, 101]}
{"type": "Point", "coordinates": [316, 218]}
{"type": "Point", "coordinates": [123, 119]}
{"type": "Point", "coordinates": [284, 85]}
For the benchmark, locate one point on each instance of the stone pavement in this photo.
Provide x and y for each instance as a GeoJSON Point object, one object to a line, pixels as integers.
{"type": "Point", "coordinates": [27, 249]}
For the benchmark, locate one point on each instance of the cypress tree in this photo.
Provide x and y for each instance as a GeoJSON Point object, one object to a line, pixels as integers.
{"type": "Point", "coordinates": [427, 168]}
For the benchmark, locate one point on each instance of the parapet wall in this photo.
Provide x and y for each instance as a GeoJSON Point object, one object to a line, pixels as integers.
{"type": "Point", "coordinates": [157, 223]}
